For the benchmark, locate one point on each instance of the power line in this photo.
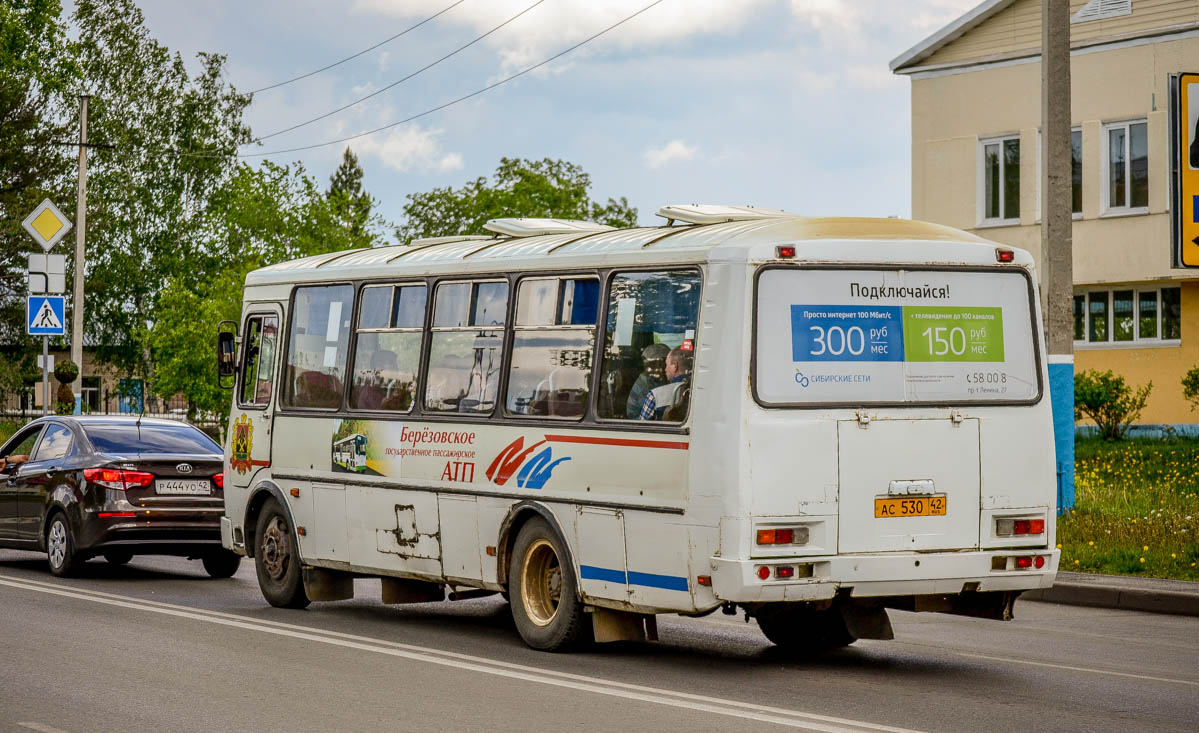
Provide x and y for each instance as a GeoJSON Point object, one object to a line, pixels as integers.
{"type": "Point", "coordinates": [452, 102]}
{"type": "Point", "coordinates": [365, 50]}
{"type": "Point", "coordinates": [400, 81]}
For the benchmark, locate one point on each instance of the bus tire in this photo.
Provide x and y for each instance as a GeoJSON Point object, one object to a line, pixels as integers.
{"type": "Point", "coordinates": [277, 559]}
{"type": "Point", "coordinates": [544, 591]}
{"type": "Point", "coordinates": [805, 631]}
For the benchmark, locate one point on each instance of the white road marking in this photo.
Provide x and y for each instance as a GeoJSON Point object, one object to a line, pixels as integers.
{"type": "Point", "coordinates": [703, 703]}
{"type": "Point", "coordinates": [1079, 669]}
{"type": "Point", "coordinates": [41, 727]}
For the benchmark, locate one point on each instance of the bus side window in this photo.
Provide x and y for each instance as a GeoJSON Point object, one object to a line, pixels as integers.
{"type": "Point", "coordinates": [650, 338]}
{"type": "Point", "coordinates": [251, 350]}
{"type": "Point", "coordinates": [258, 365]}
{"type": "Point", "coordinates": [387, 356]}
{"type": "Point", "coordinates": [317, 344]}
{"type": "Point", "coordinates": [466, 346]}
{"type": "Point", "coordinates": [552, 347]}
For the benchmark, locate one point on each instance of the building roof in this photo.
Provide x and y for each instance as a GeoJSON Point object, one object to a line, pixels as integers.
{"type": "Point", "coordinates": [652, 245]}
{"type": "Point", "coordinates": [969, 20]}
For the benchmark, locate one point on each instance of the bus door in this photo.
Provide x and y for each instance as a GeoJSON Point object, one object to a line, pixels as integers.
{"type": "Point", "coordinates": [249, 440]}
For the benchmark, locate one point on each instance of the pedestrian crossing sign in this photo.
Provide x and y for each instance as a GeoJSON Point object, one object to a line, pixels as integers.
{"type": "Point", "coordinates": [45, 315]}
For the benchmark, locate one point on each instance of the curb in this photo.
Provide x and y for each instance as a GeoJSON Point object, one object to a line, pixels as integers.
{"type": "Point", "coordinates": [1153, 595]}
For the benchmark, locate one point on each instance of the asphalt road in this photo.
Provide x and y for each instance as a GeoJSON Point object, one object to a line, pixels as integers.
{"type": "Point", "coordinates": [157, 645]}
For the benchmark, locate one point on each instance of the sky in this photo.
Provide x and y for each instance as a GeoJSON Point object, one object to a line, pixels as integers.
{"type": "Point", "coordinates": [785, 104]}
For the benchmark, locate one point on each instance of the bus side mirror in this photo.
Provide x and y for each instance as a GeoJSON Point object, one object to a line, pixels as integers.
{"type": "Point", "coordinates": [226, 353]}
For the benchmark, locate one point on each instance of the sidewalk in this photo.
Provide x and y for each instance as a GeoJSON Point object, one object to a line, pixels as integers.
{"type": "Point", "coordinates": [1120, 591]}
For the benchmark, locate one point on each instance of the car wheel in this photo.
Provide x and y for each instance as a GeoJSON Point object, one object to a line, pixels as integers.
{"type": "Point", "coordinates": [803, 631]}
{"type": "Point", "coordinates": [118, 557]}
{"type": "Point", "coordinates": [221, 563]}
{"type": "Point", "coordinates": [60, 546]}
{"type": "Point", "coordinates": [277, 559]}
{"type": "Point", "coordinates": [544, 592]}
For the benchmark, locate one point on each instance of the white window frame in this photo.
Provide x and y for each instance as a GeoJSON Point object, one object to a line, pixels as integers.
{"type": "Point", "coordinates": [1105, 163]}
{"type": "Point", "coordinates": [1137, 342]}
{"type": "Point", "coordinates": [983, 220]}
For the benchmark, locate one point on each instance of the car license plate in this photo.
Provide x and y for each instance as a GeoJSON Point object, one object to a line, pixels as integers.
{"type": "Point", "coordinates": [910, 506]}
{"type": "Point", "coordinates": [184, 487]}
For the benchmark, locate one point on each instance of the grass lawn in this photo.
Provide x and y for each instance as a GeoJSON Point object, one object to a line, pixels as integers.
{"type": "Point", "coordinates": [1136, 509]}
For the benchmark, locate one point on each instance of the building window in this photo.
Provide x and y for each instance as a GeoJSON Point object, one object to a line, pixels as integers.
{"type": "Point", "coordinates": [1076, 171]}
{"type": "Point", "coordinates": [90, 390]}
{"type": "Point", "coordinates": [1126, 189]}
{"type": "Point", "coordinates": [1128, 316]}
{"type": "Point", "coordinates": [1001, 180]}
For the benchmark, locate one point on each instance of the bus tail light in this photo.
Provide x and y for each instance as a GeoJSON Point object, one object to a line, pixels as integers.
{"type": "Point", "coordinates": [118, 479]}
{"type": "Point", "coordinates": [1010, 526]}
{"type": "Point", "coordinates": [1004, 255]}
{"type": "Point", "coordinates": [783, 536]}
{"type": "Point", "coordinates": [763, 572]}
{"type": "Point", "coordinates": [1039, 561]}
{"type": "Point", "coordinates": [784, 571]}
{"type": "Point", "coordinates": [1023, 562]}
{"type": "Point", "coordinates": [785, 252]}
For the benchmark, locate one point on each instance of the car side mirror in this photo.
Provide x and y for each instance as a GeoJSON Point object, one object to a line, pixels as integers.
{"type": "Point", "coordinates": [226, 353]}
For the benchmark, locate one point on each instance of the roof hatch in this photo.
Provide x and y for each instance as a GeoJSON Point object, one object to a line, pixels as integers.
{"type": "Point", "coordinates": [714, 214]}
{"type": "Point", "coordinates": [528, 227]}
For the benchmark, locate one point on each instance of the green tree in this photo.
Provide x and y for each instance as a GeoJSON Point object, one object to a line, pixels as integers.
{"type": "Point", "coordinates": [353, 207]}
{"type": "Point", "coordinates": [174, 138]}
{"type": "Point", "coordinates": [261, 216]}
{"type": "Point", "coordinates": [36, 75]}
{"type": "Point", "coordinates": [530, 188]}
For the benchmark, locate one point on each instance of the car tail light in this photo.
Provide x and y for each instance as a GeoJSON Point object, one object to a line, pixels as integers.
{"type": "Point", "coordinates": [219, 480]}
{"type": "Point", "coordinates": [116, 478]}
{"type": "Point", "coordinates": [116, 514]}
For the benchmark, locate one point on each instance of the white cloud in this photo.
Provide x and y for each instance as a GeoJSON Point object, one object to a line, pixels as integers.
{"type": "Point", "coordinates": [669, 153]}
{"type": "Point", "coordinates": [409, 148]}
{"type": "Point", "coordinates": [556, 25]}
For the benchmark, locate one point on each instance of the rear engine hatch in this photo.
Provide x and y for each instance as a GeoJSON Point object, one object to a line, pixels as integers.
{"type": "Point", "coordinates": [894, 471]}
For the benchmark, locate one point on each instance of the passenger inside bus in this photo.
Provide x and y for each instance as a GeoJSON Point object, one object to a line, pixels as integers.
{"type": "Point", "coordinates": [669, 401]}
{"type": "Point", "coordinates": [653, 375]}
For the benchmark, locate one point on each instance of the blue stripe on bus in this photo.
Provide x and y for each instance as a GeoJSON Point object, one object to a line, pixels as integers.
{"type": "Point", "coordinates": [649, 580]}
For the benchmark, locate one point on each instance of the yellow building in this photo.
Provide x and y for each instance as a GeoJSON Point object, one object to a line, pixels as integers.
{"type": "Point", "coordinates": [976, 110]}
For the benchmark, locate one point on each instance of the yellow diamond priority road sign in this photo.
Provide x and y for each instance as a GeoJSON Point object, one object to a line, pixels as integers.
{"type": "Point", "coordinates": [47, 225]}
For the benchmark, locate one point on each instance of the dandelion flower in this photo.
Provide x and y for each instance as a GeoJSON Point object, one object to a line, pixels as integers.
{"type": "Point", "coordinates": [1091, 543]}
{"type": "Point", "coordinates": [1174, 555]}
{"type": "Point", "coordinates": [1142, 559]}
{"type": "Point", "coordinates": [1145, 547]}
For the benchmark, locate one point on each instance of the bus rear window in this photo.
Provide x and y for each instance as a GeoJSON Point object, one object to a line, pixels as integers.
{"type": "Point", "coordinates": [855, 337]}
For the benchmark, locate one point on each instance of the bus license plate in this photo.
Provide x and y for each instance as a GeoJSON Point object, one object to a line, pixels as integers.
{"type": "Point", "coordinates": [910, 506]}
{"type": "Point", "coordinates": [184, 487]}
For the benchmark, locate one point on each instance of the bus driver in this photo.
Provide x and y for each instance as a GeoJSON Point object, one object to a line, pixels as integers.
{"type": "Point", "coordinates": [660, 400]}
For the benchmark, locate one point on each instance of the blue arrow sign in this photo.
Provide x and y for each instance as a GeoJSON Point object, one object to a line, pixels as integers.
{"type": "Point", "coordinates": [45, 315]}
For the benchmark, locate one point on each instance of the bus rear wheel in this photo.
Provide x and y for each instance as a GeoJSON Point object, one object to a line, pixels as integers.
{"type": "Point", "coordinates": [544, 592]}
{"type": "Point", "coordinates": [805, 631]}
{"type": "Point", "coordinates": [277, 559]}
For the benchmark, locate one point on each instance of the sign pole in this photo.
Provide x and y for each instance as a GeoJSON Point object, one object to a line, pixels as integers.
{"type": "Point", "coordinates": [80, 229]}
{"type": "Point", "coordinates": [45, 375]}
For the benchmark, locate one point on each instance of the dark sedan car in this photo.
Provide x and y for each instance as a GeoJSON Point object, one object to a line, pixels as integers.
{"type": "Point", "coordinates": [116, 487]}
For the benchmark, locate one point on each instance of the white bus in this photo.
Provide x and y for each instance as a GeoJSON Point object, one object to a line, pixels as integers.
{"type": "Point", "coordinates": [810, 420]}
{"type": "Point", "coordinates": [349, 453]}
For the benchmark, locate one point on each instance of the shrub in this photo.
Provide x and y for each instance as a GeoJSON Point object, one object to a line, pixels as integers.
{"type": "Point", "coordinates": [1190, 386]}
{"type": "Point", "coordinates": [1108, 401]}
{"type": "Point", "coordinates": [66, 371]}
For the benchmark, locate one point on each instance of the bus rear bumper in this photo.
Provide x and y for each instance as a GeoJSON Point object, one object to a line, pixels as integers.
{"type": "Point", "coordinates": [881, 575]}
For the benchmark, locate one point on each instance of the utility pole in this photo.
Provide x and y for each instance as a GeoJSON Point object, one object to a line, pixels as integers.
{"type": "Point", "coordinates": [1057, 235]}
{"type": "Point", "coordinates": [80, 228]}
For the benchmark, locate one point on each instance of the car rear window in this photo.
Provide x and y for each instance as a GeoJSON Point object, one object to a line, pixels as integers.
{"type": "Point", "coordinates": [131, 438]}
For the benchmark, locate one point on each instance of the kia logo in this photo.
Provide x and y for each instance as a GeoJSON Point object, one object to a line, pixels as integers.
{"type": "Point", "coordinates": [184, 468]}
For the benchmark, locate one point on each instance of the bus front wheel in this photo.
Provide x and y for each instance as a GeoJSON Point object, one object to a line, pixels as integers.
{"type": "Point", "coordinates": [277, 559]}
{"type": "Point", "coordinates": [543, 590]}
{"type": "Point", "coordinates": [805, 631]}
